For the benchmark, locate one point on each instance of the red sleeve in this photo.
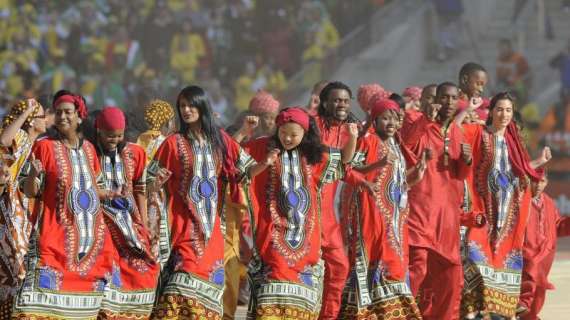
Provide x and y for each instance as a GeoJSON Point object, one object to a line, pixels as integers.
{"type": "Point", "coordinates": [562, 222]}
{"type": "Point", "coordinates": [166, 152]}
{"type": "Point", "coordinates": [415, 131]}
{"type": "Point", "coordinates": [257, 148]}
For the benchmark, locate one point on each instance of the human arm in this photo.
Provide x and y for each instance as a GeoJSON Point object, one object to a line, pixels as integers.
{"type": "Point", "coordinates": [259, 167]}
{"type": "Point", "coordinates": [545, 156]}
{"type": "Point", "coordinates": [9, 133]}
{"type": "Point", "coordinates": [246, 130]}
{"type": "Point", "coordinates": [350, 146]}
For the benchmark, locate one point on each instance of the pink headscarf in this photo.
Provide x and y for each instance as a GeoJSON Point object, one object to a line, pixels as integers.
{"type": "Point", "coordinates": [366, 92]}
{"type": "Point", "coordinates": [414, 93]}
{"type": "Point", "coordinates": [263, 102]}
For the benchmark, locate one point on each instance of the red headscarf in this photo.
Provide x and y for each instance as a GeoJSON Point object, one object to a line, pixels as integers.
{"type": "Point", "coordinates": [76, 100]}
{"type": "Point", "coordinates": [379, 106]}
{"type": "Point", "coordinates": [520, 160]}
{"type": "Point", "coordinates": [110, 119]}
{"type": "Point", "coordinates": [293, 114]}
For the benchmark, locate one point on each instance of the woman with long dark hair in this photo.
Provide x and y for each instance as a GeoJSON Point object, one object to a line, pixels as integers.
{"type": "Point", "coordinates": [285, 212]}
{"type": "Point", "coordinates": [501, 191]}
{"type": "Point", "coordinates": [194, 165]}
{"type": "Point", "coordinates": [70, 255]}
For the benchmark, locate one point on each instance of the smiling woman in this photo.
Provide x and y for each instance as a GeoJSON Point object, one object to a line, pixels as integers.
{"type": "Point", "coordinates": [199, 160]}
{"type": "Point", "coordinates": [70, 249]}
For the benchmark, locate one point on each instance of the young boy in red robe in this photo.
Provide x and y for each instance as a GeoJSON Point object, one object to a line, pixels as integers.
{"type": "Point", "coordinates": [543, 227]}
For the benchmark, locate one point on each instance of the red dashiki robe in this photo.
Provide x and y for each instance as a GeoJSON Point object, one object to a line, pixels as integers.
{"type": "Point", "coordinates": [71, 251]}
{"type": "Point", "coordinates": [194, 276]}
{"type": "Point", "coordinates": [494, 261]}
{"type": "Point", "coordinates": [544, 225]}
{"type": "Point", "coordinates": [285, 208]}
{"type": "Point", "coordinates": [378, 286]}
{"type": "Point", "coordinates": [135, 272]}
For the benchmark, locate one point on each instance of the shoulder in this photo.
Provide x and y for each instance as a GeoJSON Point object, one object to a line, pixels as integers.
{"type": "Point", "coordinates": [136, 150]}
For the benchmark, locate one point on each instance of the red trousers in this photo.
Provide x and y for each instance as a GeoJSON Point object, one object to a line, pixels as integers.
{"type": "Point", "coordinates": [439, 281]}
{"type": "Point", "coordinates": [537, 303]}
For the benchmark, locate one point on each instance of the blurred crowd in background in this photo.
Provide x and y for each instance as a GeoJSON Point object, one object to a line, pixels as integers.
{"type": "Point", "coordinates": [126, 52]}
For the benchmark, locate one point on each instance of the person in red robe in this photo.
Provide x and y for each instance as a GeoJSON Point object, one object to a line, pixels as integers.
{"type": "Point", "coordinates": [379, 287]}
{"type": "Point", "coordinates": [435, 209]}
{"type": "Point", "coordinates": [332, 120]}
{"type": "Point", "coordinates": [427, 107]}
{"type": "Point", "coordinates": [500, 189]}
{"type": "Point", "coordinates": [544, 226]}
{"type": "Point", "coordinates": [286, 205]}
{"type": "Point", "coordinates": [194, 165]}
{"type": "Point", "coordinates": [123, 166]}
{"type": "Point", "coordinates": [71, 251]}
{"type": "Point", "coordinates": [473, 79]}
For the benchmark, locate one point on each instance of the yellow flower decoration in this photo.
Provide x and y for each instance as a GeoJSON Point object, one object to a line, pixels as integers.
{"type": "Point", "coordinates": [16, 111]}
{"type": "Point", "coordinates": [157, 113]}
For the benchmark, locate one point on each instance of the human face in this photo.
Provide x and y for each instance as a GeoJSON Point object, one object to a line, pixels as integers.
{"type": "Point", "coordinates": [290, 135]}
{"type": "Point", "coordinates": [447, 98]}
{"type": "Point", "coordinates": [502, 114]}
{"type": "Point", "coordinates": [66, 118]}
{"type": "Point", "coordinates": [39, 124]}
{"type": "Point", "coordinates": [537, 188]}
{"type": "Point", "coordinates": [189, 113]}
{"type": "Point", "coordinates": [267, 122]}
{"type": "Point", "coordinates": [475, 83]}
{"type": "Point", "coordinates": [338, 104]}
{"type": "Point", "coordinates": [387, 124]}
{"type": "Point", "coordinates": [427, 98]}
{"type": "Point", "coordinates": [109, 140]}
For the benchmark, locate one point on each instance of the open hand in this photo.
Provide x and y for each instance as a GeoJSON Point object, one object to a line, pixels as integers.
{"type": "Point", "coordinates": [546, 155]}
{"type": "Point", "coordinates": [475, 103]}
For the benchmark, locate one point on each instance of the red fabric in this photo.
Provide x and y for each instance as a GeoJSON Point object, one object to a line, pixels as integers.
{"type": "Point", "coordinates": [438, 282]}
{"type": "Point", "coordinates": [337, 269]}
{"type": "Point", "coordinates": [138, 269]}
{"type": "Point", "coordinates": [294, 114]}
{"type": "Point", "coordinates": [379, 106]}
{"type": "Point", "coordinates": [518, 155]}
{"type": "Point", "coordinates": [58, 236]}
{"type": "Point", "coordinates": [283, 262]}
{"type": "Point", "coordinates": [111, 119]}
{"type": "Point", "coordinates": [196, 256]}
{"type": "Point", "coordinates": [77, 101]}
{"type": "Point", "coordinates": [435, 202]}
{"type": "Point", "coordinates": [544, 225]}
{"type": "Point", "coordinates": [335, 136]}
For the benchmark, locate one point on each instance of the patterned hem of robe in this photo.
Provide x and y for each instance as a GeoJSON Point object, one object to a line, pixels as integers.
{"type": "Point", "coordinates": [398, 308]}
{"type": "Point", "coordinates": [482, 293]}
{"type": "Point", "coordinates": [187, 296]}
{"type": "Point", "coordinates": [286, 300]}
{"type": "Point", "coordinates": [6, 308]}
{"type": "Point", "coordinates": [118, 304]}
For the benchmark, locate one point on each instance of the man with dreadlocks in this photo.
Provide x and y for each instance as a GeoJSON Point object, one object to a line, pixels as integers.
{"type": "Point", "coordinates": [334, 120]}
